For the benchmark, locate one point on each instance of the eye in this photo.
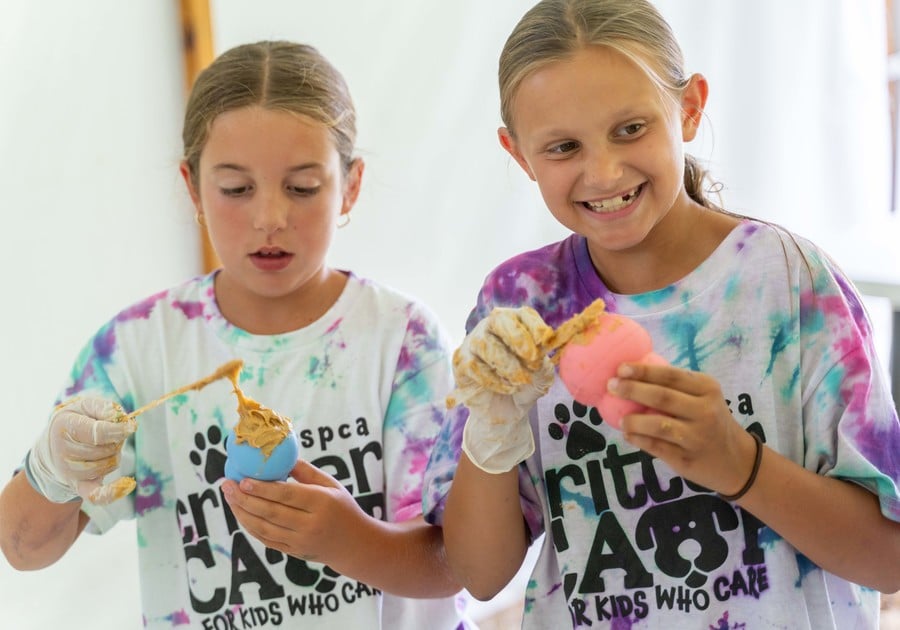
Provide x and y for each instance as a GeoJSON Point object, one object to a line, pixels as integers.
{"type": "Point", "coordinates": [303, 191]}
{"type": "Point", "coordinates": [236, 191]}
{"type": "Point", "coordinates": [630, 130]}
{"type": "Point", "coordinates": [563, 148]}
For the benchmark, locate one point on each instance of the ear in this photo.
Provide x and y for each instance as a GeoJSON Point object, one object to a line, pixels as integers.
{"type": "Point", "coordinates": [185, 171]}
{"type": "Point", "coordinates": [352, 183]}
{"type": "Point", "coordinates": [508, 142]}
{"type": "Point", "coordinates": [693, 101]}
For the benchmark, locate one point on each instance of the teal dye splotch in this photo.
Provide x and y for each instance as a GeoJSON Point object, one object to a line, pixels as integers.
{"type": "Point", "coordinates": [651, 299]}
{"type": "Point", "coordinates": [237, 335]}
{"type": "Point", "coordinates": [804, 567]}
{"type": "Point", "coordinates": [732, 288]}
{"type": "Point", "coordinates": [782, 338]}
{"type": "Point", "coordinates": [411, 392]}
{"type": "Point", "coordinates": [683, 331]}
{"type": "Point", "coordinates": [585, 503]}
{"type": "Point", "coordinates": [177, 402]}
{"type": "Point", "coordinates": [320, 370]}
{"type": "Point", "coordinates": [768, 538]}
{"type": "Point", "coordinates": [790, 385]}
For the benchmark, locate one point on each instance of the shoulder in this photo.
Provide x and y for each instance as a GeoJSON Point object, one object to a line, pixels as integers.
{"type": "Point", "coordinates": [188, 300]}
{"type": "Point", "coordinates": [387, 306]}
{"type": "Point", "coordinates": [557, 280]}
{"type": "Point", "coordinates": [384, 299]}
{"type": "Point", "coordinates": [825, 292]}
{"type": "Point", "coordinates": [515, 279]}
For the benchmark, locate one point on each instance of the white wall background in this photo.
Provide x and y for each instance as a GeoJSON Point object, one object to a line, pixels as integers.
{"type": "Point", "coordinates": [95, 216]}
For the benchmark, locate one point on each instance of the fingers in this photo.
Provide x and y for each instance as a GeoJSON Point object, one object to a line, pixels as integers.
{"type": "Point", "coordinates": [94, 407]}
{"type": "Point", "coordinates": [669, 377]}
{"type": "Point", "coordinates": [523, 332]}
{"type": "Point", "coordinates": [306, 473]}
{"type": "Point", "coordinates": [503, 351]}
{"type": "Point", "coordinates": [105, 494]}
{"type": "Point", "coordinates": [273, 522]}
{"type": "Point", "coordinates": [79, 424]}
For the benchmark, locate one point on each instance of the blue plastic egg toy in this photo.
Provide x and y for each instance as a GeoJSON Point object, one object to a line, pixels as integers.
{"type": "Point", "coordinates": [244, 460]}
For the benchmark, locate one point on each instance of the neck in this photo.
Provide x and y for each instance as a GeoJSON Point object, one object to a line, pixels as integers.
{"type": "Point", "coordinates": [673, 249]}
{"type": "Point", "coordinates": [263, 315]}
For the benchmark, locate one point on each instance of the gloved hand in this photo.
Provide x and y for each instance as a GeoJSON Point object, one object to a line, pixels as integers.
{"type": "Point", "coordinates": [501, 369]}
{"type": "Point", "coordinates": [81, 444]}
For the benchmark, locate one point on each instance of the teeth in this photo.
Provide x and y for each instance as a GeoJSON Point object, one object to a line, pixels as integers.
{"type": "Point", "coordinates": [614, 203]}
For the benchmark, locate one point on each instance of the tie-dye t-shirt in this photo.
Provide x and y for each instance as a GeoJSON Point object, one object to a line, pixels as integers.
{"type": "Point", "coordinates": [630, 544]}
{"type": "Point", "coordinates": [363, 386]}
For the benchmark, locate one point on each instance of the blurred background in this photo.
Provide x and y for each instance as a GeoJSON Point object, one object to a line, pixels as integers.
{"type": "Point", "coordinates": [800, 129]}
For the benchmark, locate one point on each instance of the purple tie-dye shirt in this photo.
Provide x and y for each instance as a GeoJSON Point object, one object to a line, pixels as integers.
{"type": "Point", "coordinates": [630, 544]}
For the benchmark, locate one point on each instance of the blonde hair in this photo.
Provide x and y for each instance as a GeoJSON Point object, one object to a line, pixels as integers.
{"type": "Point", "coordinates": [277, 75]}
{"type": "Point", "coordinates": [553, 30]}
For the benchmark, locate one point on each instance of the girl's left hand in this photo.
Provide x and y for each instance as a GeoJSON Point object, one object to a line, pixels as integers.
{"type": "Point", "coordinates": [690, 426]}
{"type": "Point", "coordinates": [315, 519]}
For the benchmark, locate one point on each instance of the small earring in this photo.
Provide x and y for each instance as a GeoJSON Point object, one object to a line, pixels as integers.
{"type": "Point", "coordinates": [198, 218]}
{"type": "Point", "coordinates": [346, 221]}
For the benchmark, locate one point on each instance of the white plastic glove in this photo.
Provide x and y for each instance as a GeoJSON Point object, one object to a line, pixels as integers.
{"type": "Point", "coordinates": [81, 444]}
{"type": "Point", "coordinates": [501, 369]}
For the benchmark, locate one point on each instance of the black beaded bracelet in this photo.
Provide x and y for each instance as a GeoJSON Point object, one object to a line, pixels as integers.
{"type": "Point", "coordinates": [753, 472]}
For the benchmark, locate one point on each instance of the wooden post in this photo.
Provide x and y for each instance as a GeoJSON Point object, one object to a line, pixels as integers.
{"type": "Point", "coordinates": [197, 46]}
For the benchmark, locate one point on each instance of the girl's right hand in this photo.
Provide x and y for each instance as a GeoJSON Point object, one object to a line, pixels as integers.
{"type": "Point", "coordinates": [501, 369]}
{"type": "Point", "coordinates": [689, 425]}
{"type": "Point", "coordinates": [81, 444]}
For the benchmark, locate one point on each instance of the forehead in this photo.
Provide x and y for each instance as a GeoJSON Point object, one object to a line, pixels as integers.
{"type": "Point", "coordinates": [255, 132]}
{"type": "Point", "coordinates": [595, 81]}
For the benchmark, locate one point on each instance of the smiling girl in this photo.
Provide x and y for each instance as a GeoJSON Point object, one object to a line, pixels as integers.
{"type": "Point", "coordinates": [761, 488]}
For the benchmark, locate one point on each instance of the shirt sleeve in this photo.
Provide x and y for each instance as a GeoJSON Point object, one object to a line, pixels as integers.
{"type": "Point", "coordinates": [92, 375]}
{"type": "Point", "coordinates": [413, 418]}
{"type": "Point", "coordinates": [850, 420]}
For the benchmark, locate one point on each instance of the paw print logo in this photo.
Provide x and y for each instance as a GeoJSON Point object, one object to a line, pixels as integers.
{"type": "Point", "coordinates": [581, 438]}
{"type": "Point", "coordinates": [301, 574]}
{"type": "Point", "coordinates": [214, 465]}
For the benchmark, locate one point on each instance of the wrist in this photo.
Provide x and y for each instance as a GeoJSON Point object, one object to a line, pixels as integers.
{"type": "Point", "coordinates": [754, 470]}
{"type": "Point", "coordinates": [497, 447]}
{"type": "Point", "coordinates": [40, 477]}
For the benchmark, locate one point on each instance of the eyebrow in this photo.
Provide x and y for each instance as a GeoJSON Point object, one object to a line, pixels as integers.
{"type": "Point", "coordinates": [227, 166]}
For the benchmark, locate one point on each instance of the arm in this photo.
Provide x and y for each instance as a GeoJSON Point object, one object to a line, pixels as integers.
{"type": "Point", "coordinates": [81, 444]}
{"type": "Point", "coordinates": [34, 532]}
{"type": "Point", "coordinates": [484, 529]}
{"type": "Point", "coordinates": [836, 524]}
{"type": "Point", "coordinates": [316, 519]}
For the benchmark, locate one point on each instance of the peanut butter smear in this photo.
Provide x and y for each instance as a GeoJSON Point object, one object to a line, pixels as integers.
{"type": "Point", "coordinates": [257, 425]}
{"type": "Point", "coordinates": [117, 489]}
{"type": "Point", "coordinates": [527, 340]}
{"type": "Point", "coordinates": [576, 328]}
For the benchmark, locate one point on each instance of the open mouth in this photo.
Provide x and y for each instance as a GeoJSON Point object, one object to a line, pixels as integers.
{"type": "Point", "coordinates": [270, 253]}
{"type": "Point", "coordinates": [613, 204]}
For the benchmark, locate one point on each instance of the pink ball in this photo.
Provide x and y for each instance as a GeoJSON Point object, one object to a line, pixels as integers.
{"type": "Point", "coordinates": [588, 363]}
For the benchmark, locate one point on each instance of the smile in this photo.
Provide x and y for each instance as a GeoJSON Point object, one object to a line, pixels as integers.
{"type": "Point", "coordinates": [613, 204]}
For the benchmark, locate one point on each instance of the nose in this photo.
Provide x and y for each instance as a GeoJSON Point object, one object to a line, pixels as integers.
{"type": "Point", "coordinates": [271, 213]}
{"type": "Point", "coordinates": [602, 167]}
